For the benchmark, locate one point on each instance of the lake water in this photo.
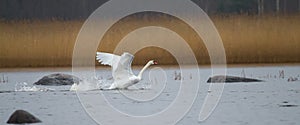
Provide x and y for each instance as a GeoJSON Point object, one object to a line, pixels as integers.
{"type": "Point", "coordinates": [275, 101]}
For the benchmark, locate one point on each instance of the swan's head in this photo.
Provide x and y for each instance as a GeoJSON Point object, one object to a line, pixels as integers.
{"type": "Point", "coordinates": [153, 62]}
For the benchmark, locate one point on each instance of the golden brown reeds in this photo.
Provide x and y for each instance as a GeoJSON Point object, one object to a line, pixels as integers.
{"type": "Point", "coordinates": [247, 39]}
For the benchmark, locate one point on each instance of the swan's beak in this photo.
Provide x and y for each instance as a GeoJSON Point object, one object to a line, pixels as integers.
{"type": "Point", "coordinates": [155, 62]}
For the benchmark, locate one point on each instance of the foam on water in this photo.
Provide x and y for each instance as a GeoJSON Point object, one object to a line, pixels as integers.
{"type": "Point", "coordinates": [91, 84]}
{"type": "Point", "coordinates": [99, 84]}
{"type": "Point", "coordinates": [24, 87]}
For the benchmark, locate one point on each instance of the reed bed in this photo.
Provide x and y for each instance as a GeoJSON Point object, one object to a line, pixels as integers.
{"type": "Point", "coordinates": [247, 39]}
{"type": "Point", "coordinates": [267, 39]}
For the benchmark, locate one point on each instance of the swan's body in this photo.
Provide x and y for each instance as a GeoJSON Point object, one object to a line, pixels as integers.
{"type": "Point", "coordinates": [121, 69]}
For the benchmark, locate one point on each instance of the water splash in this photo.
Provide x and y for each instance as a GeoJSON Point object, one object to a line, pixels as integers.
{"type": "Point", "coordinates": [24, 87]}
{"type": "Point", "coordinates": [100, 83]}
{"type": "Point", "coordinates": [91, 84]}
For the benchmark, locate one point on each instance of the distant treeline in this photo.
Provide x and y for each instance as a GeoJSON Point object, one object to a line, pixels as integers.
{"type": "Point", "coordinates": [81, 9]}
{"type": "Point", "coordinates": [48, 9]}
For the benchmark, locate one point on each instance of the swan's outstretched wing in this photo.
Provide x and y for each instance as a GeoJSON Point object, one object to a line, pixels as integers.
{"type": "Point", "coordinates": [121, 65]}
{"type": "Point", "coordinates": [108, 59]}
{"type": "Point", "coordinates": [123, 69]}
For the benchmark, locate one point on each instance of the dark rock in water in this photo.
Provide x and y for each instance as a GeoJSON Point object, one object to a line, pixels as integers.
{"type": "Point", "coordinates": [57, 80]}
{"type": "Point", "coordinates": [285, 102]}
{"type": "Point", "coordinates": [230, 79]}
{"type": "Point", "coordinates": [21, 117]}
{"type": "Point", "coordinates": [288, 105]}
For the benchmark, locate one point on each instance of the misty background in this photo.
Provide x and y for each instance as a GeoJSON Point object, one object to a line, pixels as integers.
{"type": "Point", "coordinates": [81, 9]}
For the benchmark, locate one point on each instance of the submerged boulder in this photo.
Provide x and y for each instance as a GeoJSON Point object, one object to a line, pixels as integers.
{"type": "Point", "coordinates": [57, 80]}
{"type": "Point", "coordinates": [230, 79]}
{"type": "Point", "coordinates": [21, 117]}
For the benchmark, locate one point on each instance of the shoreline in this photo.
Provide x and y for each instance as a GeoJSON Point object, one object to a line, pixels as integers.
{"type": "Point", "coordinates": [67, 68]}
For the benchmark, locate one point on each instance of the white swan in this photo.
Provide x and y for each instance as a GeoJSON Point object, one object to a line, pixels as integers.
{"type": "Point", "coordinates": [121, 69]}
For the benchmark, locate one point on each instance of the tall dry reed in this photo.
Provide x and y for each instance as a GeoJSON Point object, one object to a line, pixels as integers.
{"type": "Point", "coordinates": [247, 39]}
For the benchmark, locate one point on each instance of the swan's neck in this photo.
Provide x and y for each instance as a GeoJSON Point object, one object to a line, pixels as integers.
{"type": "Point", "coordinates": [144, 68]}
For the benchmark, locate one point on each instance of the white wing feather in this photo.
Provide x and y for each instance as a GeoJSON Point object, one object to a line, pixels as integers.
{"type": "Point", "coordinates": [108, 59]}
{"type": "Point", "coordinates": [121, 65]}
